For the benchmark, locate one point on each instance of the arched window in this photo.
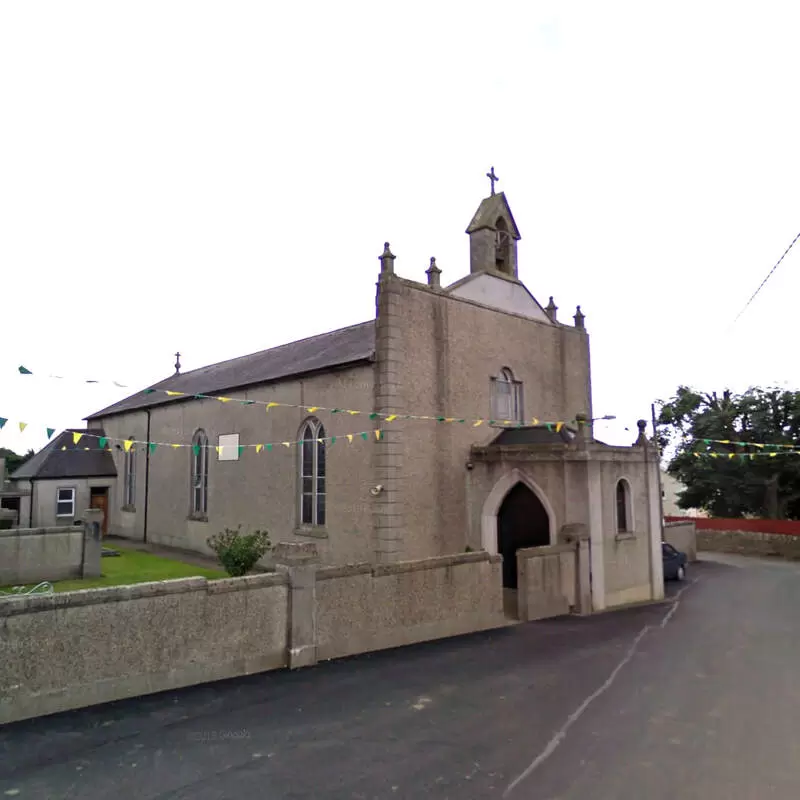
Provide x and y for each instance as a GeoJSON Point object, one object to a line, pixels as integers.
{"type": "Point", "coordinates": [312, 473]}
{"type": "Point", "coordinates": [624, 510]}
{"type": "Point", "coordinates": [506, 397]}
{"type": "Point", "coordinates": [129, 498]}
{"type": "Point", "coordinates": [502, 250]}
{"type": "Point", "coordinates": [200, 473]}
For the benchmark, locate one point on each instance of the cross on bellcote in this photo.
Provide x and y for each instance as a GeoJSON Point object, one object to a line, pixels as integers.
{"type": "Point", "coordinates": [492, 177]}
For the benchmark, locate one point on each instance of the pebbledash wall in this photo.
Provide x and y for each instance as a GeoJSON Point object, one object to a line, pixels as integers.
{"type": "Point", "coordinates": [128, 641]}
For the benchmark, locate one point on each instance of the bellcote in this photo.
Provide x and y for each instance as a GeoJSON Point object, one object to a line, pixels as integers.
{"type": "Point", "coordinates": [493, 237]}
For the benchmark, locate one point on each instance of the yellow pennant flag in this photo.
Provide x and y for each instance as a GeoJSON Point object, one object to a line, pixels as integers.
{"type": "Point", "coordinates": [353, 413]}
{"type": "Point", "coordinates": [128, 443]}
{"type": "Point", "coordinates": [286, 444]}
{"type": "Point", "coordinates": [559, 426]}
{"type": "Point", "coordinates": [378, 434]}
{"type": "Point", "coordinates": [270, 405]}
{"type": "Point", "coordinates": [772, 455]}
{"type": "Point", "coordinates": [450, 419]}
{"type": "Point", "coordinates": [22, 426]}
{"type": "Point", "coordinates": [259, 448]}
{"type": "Point", "coordinates": [76, 437]}
{"type": "Point", "coordinates": [391, 417]}
{"type": "Point", "coordinates": [350, 438]}
{"type": "Point", "coordinates": [312, 409]}
{"type": "Point", "coordinates": [731, 455]}
{"type": "Point", "coordinates": [174, 394]}
{"type": "Point", "coordinates": [218, 449]}
{"type": "Point", "coordinates": [479, 422]}
{"type": "Point", "coordinates": [174, 445]}
{"type": "Point", "coordinates": [224, 399]}
{"type": "Point", "coordinates": [535, 421]}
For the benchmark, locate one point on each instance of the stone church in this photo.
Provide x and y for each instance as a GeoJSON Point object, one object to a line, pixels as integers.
{"type": "Point", "coordinates": [481, 355]}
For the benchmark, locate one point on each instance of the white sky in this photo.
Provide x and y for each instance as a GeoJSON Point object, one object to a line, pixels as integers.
{"type": "Point", "coordinates": [218, 178]}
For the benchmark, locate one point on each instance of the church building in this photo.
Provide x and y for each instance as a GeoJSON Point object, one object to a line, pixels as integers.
{"type": "Point", "coordinates": [475, 401]}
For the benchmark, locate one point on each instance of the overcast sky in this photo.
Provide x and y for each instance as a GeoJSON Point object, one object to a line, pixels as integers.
{"type": "Point", "coordinates": [219, 178]}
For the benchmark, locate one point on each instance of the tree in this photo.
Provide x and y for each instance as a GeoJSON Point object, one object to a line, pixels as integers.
{"type": "Point", "coordinates": [13, 460]}
{"type": "Point", "coordinates": [733, 484]}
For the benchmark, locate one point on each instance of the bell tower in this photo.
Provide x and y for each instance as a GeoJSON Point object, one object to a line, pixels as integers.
{"type": "Point", "coordinates": [493, 235]}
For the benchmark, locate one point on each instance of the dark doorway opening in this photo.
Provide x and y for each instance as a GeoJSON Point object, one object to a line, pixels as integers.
{"type": "Point", "coordinates": [99, 500]}
{"type": "Point", "coordinates": [521, 522]}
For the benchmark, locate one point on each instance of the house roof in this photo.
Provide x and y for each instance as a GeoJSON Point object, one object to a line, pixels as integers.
{"type": "Point", "coordinates": [327, 351]}
{"type": "Point", "coordinates": [73, 462]}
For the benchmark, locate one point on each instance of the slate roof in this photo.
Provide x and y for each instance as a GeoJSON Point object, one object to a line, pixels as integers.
{"type": "Point", "coordinates": [338, 348]}
{"type": "Point", "coordinates": [534, 434]}
{"type": "Point", "coordinates": [74, 462]}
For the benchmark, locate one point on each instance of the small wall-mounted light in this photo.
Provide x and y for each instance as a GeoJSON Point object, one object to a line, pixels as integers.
{"type": "Point", "coordinates": [376, 490]}
{"type": "Point", "coordinates": [469, 465]}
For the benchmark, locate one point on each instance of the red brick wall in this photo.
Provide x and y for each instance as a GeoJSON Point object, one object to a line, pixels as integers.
{"type": "Point", "coordinates": [780, 526]}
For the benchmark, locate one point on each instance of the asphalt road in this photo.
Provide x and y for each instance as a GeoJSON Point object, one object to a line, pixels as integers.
{"type": "Point", "coordinates": [695, 698]}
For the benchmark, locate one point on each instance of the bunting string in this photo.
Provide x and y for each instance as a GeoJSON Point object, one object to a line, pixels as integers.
{"type": "Point", "coordinates": [760, 445]}
{"type": "Point", "coordinates": [107, 442]}
{"type": "Point", "coordinates": [475, 422]}
{"type": "Point", "coordinates": [746, 456]}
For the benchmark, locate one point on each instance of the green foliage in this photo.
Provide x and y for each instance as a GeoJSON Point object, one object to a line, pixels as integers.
{"type": "Point", "coordinates": [734, 487]}
{"type": "Point", "coordinates": [13, 460]}
{"type": "Point", "coordinates": [239, 553]}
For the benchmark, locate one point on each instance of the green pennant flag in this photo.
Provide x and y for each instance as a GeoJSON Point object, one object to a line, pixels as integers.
{"type": "Point", "coordinates": [241, 450]}
{"type": "Point", "coordinates": [196, 449]}
{"type": "Point", "coordinates": [336, 411]}
{"type": "Point", "coordinates": [102, 442]}
{"type": "Point", "coordinates": [333, 440]}
{"type": "Point", "coordinates": [149, 391]}
{"type": "Point", "coordinates": [3, 421]}
{"type": "Point", "coordinates": [24, 371]}
{"type": "Point", "coordinates": [50, 432]}
{"type": "Point", "coordinates": [491, 422]}
{"type": "Point", "coordinates": [549, 427]}
{"type": "Point", "coordinates": [364, 436]}
{"type": "Point", "coordinates": [269, 447]}
{"type": "Point", "coordinates": [373, 415]}
{"type": "Point", "coordinates": [152, 446]}
{"type": "Point", "coordinates": [440, 419]}
{"type": "Point", "coordinates": [248, 402]}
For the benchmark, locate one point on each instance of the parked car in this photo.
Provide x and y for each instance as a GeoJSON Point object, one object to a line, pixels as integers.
{"type": "Point", "coordinates": [674, 563]}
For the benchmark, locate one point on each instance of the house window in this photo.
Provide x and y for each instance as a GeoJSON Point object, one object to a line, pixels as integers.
{"type": "Point", "coordinates": [130, 476]}
{"type": "Point", "coordinates": [506, 397]}
{"type": "Point", "coordinates": [200, 473]}
{"type": "Point", "coordinates": [312, 473]}
{"type": "Point", "coordinates": [65, 503]}
{"type": "Point", "coordinates": [624, 515]}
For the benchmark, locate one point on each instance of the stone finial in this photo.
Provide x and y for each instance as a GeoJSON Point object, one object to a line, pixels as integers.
{"type": "Point", "coordinates": [177, 363]}
{"type": "Point", "coordinates": [387, 260]}
{"type": "Point", "coordinates": [551, 310]}
{"type": "Point", "coordinates": [579, 318]}
{"type": "Point", "coordinates": [583, 422]}
{"type": "Point", "coordinates": [642, 426]}
{"type": "Point", "coordinates": [433, 272]}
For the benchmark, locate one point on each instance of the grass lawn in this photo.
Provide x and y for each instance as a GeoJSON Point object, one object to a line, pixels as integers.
{"type": "Point", "coordinates": [134, 566]}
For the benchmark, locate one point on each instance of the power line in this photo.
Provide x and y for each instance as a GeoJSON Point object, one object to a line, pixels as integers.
{"type": "Point", "coordinates": [769, 275]}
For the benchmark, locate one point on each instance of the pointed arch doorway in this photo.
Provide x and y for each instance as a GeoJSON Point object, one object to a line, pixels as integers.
{"type": "Point", "coordinates": [522, 521]}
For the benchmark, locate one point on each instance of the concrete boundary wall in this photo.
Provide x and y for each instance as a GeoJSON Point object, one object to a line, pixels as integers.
{"type": "Point", "coordinates": [32, 555]}
{"type": "Point", "coordinates": [76, 649]}
{"type": "Point", "coordinates": [682, 536]}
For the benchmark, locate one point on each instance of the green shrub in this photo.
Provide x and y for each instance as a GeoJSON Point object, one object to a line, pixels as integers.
{"type": "Point", "coordinates": [237, 552]}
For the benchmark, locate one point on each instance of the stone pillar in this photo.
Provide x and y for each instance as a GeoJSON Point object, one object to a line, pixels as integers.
{"type": "Point", "coordinates": [91, 563]}
{"type": "Point", "coordinates": [300, 561]}
{"type": "Point", "coordinates": [578, 535]}
{"type": "Point", "coordinates": [388, 501]}
{"type": "Point", "coordinates": [596, 545]}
